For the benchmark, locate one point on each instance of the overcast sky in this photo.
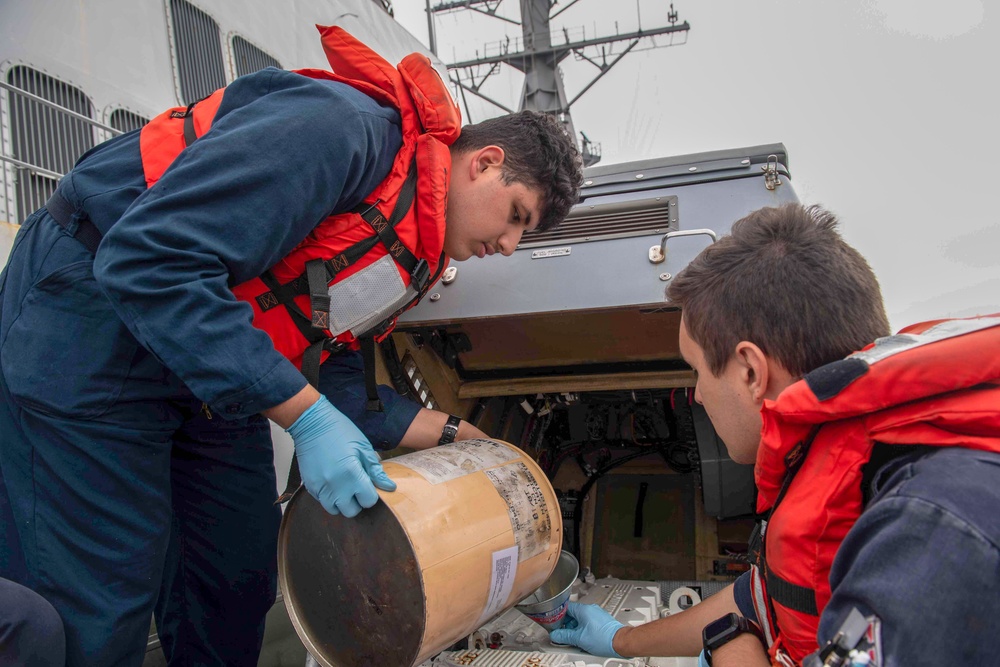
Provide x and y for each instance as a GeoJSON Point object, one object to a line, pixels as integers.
{"type": "Point", "coordinates": [888, 109]}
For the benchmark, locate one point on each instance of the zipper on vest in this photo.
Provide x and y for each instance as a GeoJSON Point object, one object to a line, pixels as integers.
{"type": "Point", "coordinates": [204, 409]}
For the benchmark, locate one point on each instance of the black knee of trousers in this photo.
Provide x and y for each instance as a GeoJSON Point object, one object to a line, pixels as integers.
{"type": "Point", "coordinates": [31, 632]}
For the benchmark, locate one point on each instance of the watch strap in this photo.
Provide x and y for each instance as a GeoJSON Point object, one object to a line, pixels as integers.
{"type": "Point", "coordinates": [450, 430]}
{"type": "Point", "coordinates": [736, 625]}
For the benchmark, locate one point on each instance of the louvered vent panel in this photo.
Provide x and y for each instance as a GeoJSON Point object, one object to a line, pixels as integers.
{"type": "Point", "coordinates": [607, 221]}
{"type": "Point", "coordinates": [249, 58]}
{"type": "Point", "coordinates": [200, 68]}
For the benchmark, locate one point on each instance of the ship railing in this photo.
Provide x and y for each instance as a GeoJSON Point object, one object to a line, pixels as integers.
{"type": "Point", "coordinates": [40, 140]}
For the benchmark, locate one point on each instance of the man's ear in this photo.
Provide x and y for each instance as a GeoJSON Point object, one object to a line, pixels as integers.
{"type": "Point", "coordinates": [484, 158]}
{"type": "Point", "coordinates": [754, 368]}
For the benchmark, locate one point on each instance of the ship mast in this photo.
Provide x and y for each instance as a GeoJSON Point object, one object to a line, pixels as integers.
{"type": "Point", "coordinates": [539, 52]}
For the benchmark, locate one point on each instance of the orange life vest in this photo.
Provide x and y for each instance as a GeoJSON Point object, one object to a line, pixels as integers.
{"type": "Point", "coordinates": [936, 383]}
{"type": "Point", "coordinates": [292, 301]}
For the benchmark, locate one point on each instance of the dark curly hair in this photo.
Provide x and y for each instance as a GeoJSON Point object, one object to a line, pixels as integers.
{"type": "Point", "coordinates": [538, 153]}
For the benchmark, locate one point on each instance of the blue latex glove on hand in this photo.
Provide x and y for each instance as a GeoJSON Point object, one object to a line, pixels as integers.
{"type": "Point", "coordinates": [336, 461]}
{"type": "Point", "coordinates": [701, 660]}
{"type": "Point", "coordinates": [589, 627]}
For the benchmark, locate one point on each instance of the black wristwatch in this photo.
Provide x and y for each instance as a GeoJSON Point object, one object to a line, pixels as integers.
{"type": "Point", "coordinates": [450, 430]}
{"type": "Point", "coordinates": [722, 630]}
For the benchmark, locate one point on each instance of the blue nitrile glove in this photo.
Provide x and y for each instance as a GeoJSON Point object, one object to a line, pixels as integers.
{"type": "Point", "coordinates": [589, 627]}
{"type": "Point", "coordinates": [701, 659]}
{"type": "Point", "coordinates": [336, 461]}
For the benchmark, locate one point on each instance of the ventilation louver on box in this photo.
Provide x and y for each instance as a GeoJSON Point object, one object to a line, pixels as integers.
{"type": "Point", "coordinates": [126, 121]}
{"type": "Point", "coordinates": [197, 51]}
{"type": "Point", "coordinates": [596, 222]}
{"type": "Point", "coordinates": [249, 58]}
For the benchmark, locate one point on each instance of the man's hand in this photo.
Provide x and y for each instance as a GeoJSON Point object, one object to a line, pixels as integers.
{"type": "Point", "coordinates": [589, 627]}
{"type": "Point", "coordinates": [338, 465]}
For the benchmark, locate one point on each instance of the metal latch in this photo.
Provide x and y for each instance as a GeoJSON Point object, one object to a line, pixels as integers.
{"type": "Point", "coordinates": [658, 253]}
{"type": "Point", "coordinates": [771, 179]}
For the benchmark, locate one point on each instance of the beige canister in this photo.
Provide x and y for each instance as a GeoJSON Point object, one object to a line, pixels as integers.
{"type": "Point", "coordinates": [473, 528]}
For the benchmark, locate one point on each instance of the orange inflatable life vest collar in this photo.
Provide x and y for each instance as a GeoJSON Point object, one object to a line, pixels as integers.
{"type": "Point", "coordinates": [935, 384]}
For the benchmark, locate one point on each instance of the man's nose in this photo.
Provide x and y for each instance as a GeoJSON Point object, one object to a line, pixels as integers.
{"type": "Point", "coordinates": [507, 243]}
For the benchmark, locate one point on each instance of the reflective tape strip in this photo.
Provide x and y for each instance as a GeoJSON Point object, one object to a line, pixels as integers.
{"type": "Point", "coordinates": [890, 345]}
{"type": "Point", "coordinates": [760, 604]}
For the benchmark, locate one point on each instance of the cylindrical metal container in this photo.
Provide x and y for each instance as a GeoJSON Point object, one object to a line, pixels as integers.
{"type": "Point", "coordinates": [472, 529]}
{"type": "Point", "coordinates": [547, 605]}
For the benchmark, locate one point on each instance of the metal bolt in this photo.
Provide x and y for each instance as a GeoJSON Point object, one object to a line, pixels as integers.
{"type": "Point", "coordinates": [588, 182]}
{"type": "Point", "coordinates": [692, 168]}
{"type": "Point", "coordinates": [638, 175]}
{"type": "Point", "coordinates": [587, 238]}
{"type": "Point", "coordinates": [656, 231]}
{"type": "Point", "coordinates": [449, 275]}
{"type": "Point", "coordinates": [435, 296]}
{"type": "Point", "coordinates": [665, 277]}
{"type": "Point", "coordinates": [673, 203]}
{"type": "Point", "coordinates": [745, 162]}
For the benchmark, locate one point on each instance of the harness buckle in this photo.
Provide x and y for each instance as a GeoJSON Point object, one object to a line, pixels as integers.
{"type": "Point", "coordinates": [333, 346]}
{"type": "Point", "coordinates": [421, 273]}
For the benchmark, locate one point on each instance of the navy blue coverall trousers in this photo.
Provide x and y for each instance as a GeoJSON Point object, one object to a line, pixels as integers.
{"type": "Point", "coordinates": [137, 473]}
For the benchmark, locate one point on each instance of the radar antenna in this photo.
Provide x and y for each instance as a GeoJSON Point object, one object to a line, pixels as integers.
{"type": "Point", "coordinates": [539, 52]}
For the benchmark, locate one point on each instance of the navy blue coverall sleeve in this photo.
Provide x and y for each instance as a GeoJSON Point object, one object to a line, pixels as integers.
{"type": "Point", "coordinates": [283, 152]}
{"type": "Point", "coordinates": [924, 557]}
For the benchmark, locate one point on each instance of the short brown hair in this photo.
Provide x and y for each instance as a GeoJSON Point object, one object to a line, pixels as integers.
{"type": "Point", "coordinates": [785, 280]}
{"type": "Point", "coordinates": [538, 152]}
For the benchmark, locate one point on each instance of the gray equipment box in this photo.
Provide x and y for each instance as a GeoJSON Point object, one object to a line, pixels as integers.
{"type": "Point", "coordinates": [583, 307]}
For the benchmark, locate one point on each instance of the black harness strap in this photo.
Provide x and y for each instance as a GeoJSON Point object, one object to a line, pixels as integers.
{"type": "Point", "coordinates": [283, 294]}
{"type": "Point", "coordinates": [319, 297]}
{"type": "Point", "coordinates": [374, 403]}
{"type": "Point", "coordinates": [189, 134]}
{"type": "Point", "coordinates": [303, 323]}
{"type": "Point", "coordinates": [418, 269]}
{"type": "Point", "coordinates": [279, 294]}
{"type": "Point", "coordinates": [795, 597]}
{"type": "Point", "coordinates": [63, 212]}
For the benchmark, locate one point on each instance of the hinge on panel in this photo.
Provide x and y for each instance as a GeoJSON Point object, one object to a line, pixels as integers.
{"type": "Point", "coordinates": [771, 180]}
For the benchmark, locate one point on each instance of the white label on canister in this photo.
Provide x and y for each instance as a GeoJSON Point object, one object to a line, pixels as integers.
{"type": "Point", "coordinates": [457, 459]}
{"type": "Point", "coordinates": [501, 581]}
{"type": "Point", "coordinates": [529, 515]}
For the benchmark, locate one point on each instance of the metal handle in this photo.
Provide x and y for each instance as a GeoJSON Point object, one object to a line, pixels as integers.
{"type": "Point", "coordinates": [658, 253]}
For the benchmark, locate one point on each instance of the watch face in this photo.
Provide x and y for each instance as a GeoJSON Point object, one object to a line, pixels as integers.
{"type": "Point", "coordinates": [719, 631]}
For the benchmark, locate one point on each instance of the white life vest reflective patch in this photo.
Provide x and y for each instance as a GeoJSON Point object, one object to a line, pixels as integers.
{"type": "Point", "coordinates": [890, 345]}
{"type": "Point", "coordinates": [368, 297]}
